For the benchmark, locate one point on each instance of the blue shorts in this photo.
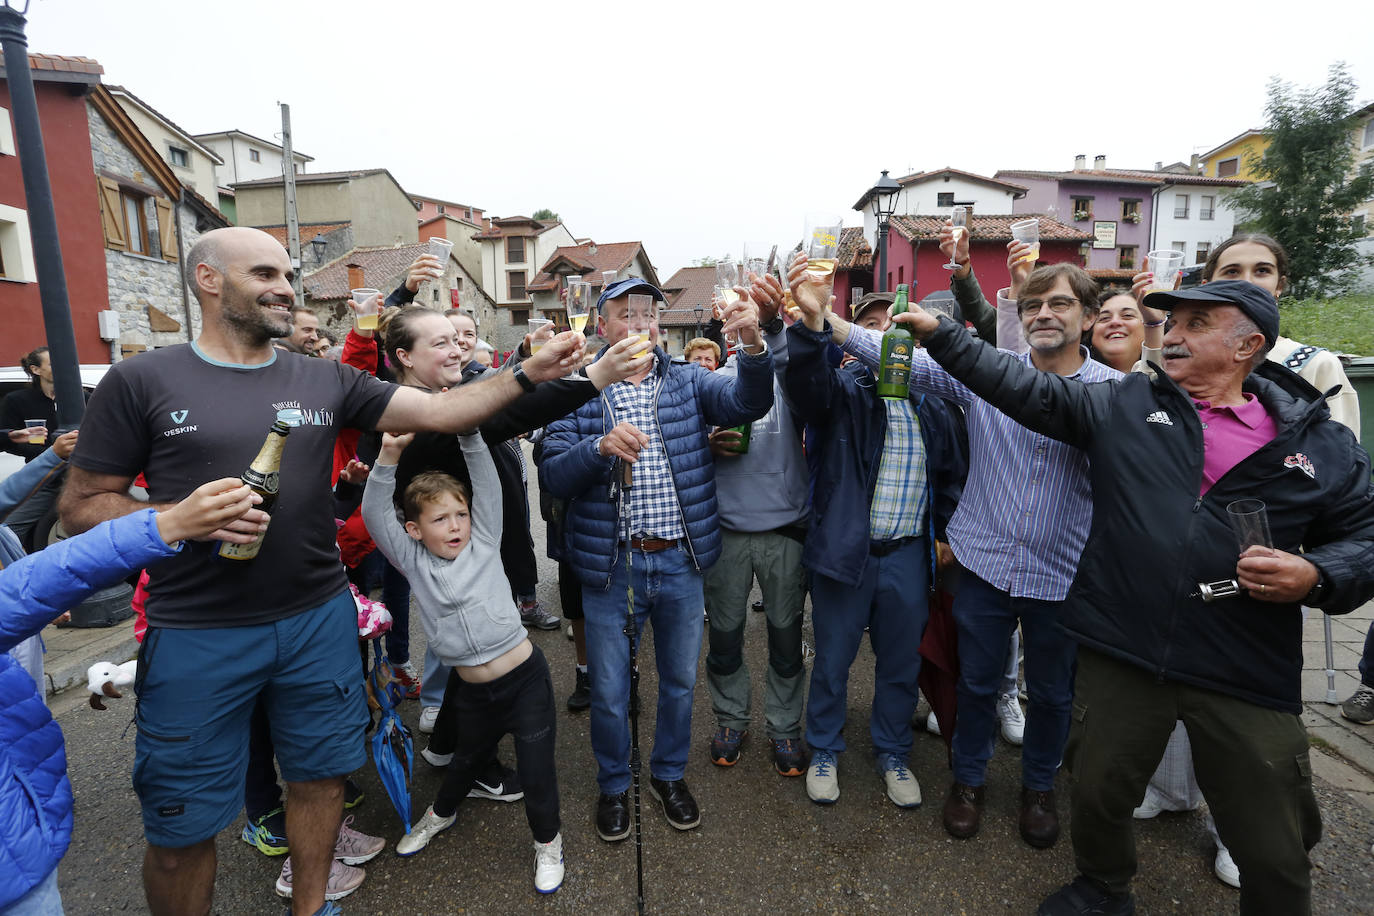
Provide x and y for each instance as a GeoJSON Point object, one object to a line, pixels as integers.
{"type": "Point", "coordinates": [196, 691]}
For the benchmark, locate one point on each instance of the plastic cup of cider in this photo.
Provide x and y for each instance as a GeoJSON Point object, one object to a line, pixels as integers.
{"type": "Point", "coordinates": [37, 438]}
{"type": "Point", "coordinates": [541, 332]}
{"type": "Point", "coordinates": [367, 307]}
{"type": "Point", "coordinates": [1028, 231]}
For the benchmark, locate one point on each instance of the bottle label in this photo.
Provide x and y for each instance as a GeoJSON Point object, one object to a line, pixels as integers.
{"type": "Point", "coordinates": [242, 551]}
{"type": "Point", "coordinates": [895, 371]}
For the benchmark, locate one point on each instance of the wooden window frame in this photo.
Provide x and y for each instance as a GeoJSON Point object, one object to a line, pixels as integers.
{"type": "Point", "coordinates": [1127, 256]}
{"type": "Point", "coordinates": [254, 155]}
{"type": "Point", "coordinates": [1204, 250]}
{"type": "Point", "coordinates": [519, 316]}
{"type": "Point", "coordinates": [510, 259]}
{"type": "Point", "coordinates": [173, 152]}
{"type": "Point", "coordinates": [512, 286]}
{"type": "Point", "coordinates": [139, 203]}
{"type": "Point", "coordinates": [944, 198]}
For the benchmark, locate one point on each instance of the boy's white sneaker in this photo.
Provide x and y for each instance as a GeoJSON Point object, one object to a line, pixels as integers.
{"type": "Point", "coordinates": [427, 828]}
{"type": "Point", "coordinates": [548, 865]}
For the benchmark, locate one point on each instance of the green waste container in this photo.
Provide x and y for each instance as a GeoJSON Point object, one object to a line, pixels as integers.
{"type": "Point", "coordinates": [1360, 371]}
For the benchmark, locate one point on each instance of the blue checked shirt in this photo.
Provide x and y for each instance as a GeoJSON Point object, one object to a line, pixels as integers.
{"type": "Point", "coordinates": [899, 499]}
{"type": "Point", "coordinates": [653, 509]}
{"type": "Point", "coordinates": [1027, 506]}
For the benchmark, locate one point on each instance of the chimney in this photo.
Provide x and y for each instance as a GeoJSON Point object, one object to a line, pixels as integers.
{"type": "Point", "coordinates": [1159, 166]}
{"type": "Point", "coordinates": [1193, 166]}
{"type": "Point", "coordinates": [1080, 162]}
{"type": "Point", "coordinates": [355, 276]}
{"type": "Point", "coordinates": [1099, 162]}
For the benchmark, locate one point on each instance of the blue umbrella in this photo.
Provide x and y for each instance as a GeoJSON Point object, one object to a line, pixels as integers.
{"type": "Point", "coordinates": [393, 751]}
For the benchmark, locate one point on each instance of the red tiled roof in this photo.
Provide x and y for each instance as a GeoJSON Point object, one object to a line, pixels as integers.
{"type": "Point", "coordinates": [684, 317]}
{"type": "Point", "coordinates": [589, 260]}
{"type": "Point", "coordinates": [855, 251]}
{"type": "Point", "coordinates": [382, 269]}
{"type": "Point", "coordinates": [496, 225]}
{"type": "Point", "coordinates": [690, 287]}
{"type": "Point", "coordinates": [308, 231]}
{"type": "Point", "coordinates": [1111, 273]}
{"type": "Point", "coordinates": [62, 62]}
{"type": "Point", "coordinates": [919, 177]}
{"type": "Point", "coordinates": [1126, 176]}
{"type": "Point", "coordinates": [987, 228]}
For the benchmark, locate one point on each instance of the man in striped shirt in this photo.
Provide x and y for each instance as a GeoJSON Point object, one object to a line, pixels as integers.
{"type": "Point", "coordinates": [1018, 533]}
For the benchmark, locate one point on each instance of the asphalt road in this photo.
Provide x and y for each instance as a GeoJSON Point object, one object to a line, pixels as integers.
{"type": "Point", "coordinates": [762, 845]}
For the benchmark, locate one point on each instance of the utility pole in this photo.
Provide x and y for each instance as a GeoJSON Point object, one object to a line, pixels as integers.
{"type": "Point", "coordinates": [47, 250]}
{"type": "Point", "coordinates": [293, 225]}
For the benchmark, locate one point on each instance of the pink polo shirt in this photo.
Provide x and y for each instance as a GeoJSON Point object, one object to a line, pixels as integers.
{"type": "Point", "coordinates": [1230, 435]}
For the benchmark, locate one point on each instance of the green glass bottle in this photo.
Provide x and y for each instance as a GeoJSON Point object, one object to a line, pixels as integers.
{"type": "Point", "coordinates": [742, 447]}
{"type": "Point", "coordinates": [894, 365]}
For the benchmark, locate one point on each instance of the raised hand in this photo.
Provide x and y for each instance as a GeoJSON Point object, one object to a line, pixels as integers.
{"type": "Point", "coordinates": [918, 321]}
{"type": "Point", "coordinates": [620, 361]}
{"type": "Point", "coordinates": [811, 294]}
{"type": "Point", "coordinates": [957, 252]}
{"type": "Point", "coordinates": [425, 267]}
{"type": "Point", "coordinates": [1018, 268]}
{"type": "Point", "coordinates": [560, 356]}
{"type": "Point", "coordinates": [767, 293]}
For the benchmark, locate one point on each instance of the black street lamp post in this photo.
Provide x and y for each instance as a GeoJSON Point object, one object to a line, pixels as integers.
{"type": "Point", "coordinates": [47, 250]}
{"type": "Point", "coordinates": [882, 198]}
{"type": "Point", "coordinates": [698, 310]}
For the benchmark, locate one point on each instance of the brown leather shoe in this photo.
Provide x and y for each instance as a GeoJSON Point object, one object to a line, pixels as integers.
{"type": "Point", "coordinates": [963, 810]}
{"type": "Point", "coordinates": [1039, 820]}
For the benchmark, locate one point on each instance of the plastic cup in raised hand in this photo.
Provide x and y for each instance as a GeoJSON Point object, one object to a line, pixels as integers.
{"type": "Point", "coordinates": [1250, 522]}
{"type": "Point", "coordinates": [541, 332]}
{"type": "Point", "coordinates": [1028, 231]}
{"type": "Point", "coordinates": [641, 313]}
{"type": "Point", "coordinates": [440, 249]}
{"type": "Point", "coordinates": [369, 307]}
{"type": "Point", "coordinates": [40, 437]}
{"type": "Point", "coordinates": [1164, 263]}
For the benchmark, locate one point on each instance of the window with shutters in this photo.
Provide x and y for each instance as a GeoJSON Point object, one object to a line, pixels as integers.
{"type": "Point", "coordinates": [1127, 256]}
{"type": "Point", "coordinates": [134, 211]}
{"type": "Point", "coordinates": [515, 249]}
{"type": "Point", "coordinates": [1228, 168]}
{"type": "Point", "coordinates": [1206, 208]}
{"type": "Point", "coordinates": [1203, 250]}
{"type": "Point", "coordinates": [1180, 206]}
{"type": "Point", "coordinates": [515, 284]}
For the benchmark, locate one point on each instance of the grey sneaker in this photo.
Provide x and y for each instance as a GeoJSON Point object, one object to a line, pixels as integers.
{"type": "Point", "coordinates": [902, 788]}
{"type": "Point", "coordinates": [1360, 707]}
{"type": "Point", "coordinates": [532, 614]}
{"type": "Point", "coordinates": [354, 848]}
{"type": "Point", "coordinates": [427, 828]}
{"type": "Point", "coordinates": [822, 785]}
{"type": "Point", "coordinates": [343, 880]}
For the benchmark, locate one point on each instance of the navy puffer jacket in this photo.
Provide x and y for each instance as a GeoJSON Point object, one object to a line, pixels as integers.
{"type": "Point", "coordinates": [690, 401]}
{"type": "Point", "coordinates": [35, 796]}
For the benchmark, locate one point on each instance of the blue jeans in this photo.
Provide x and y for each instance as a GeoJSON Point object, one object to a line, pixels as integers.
{"type": "Point", "coordinates": [891, 600]}
{"type": "Point", "coordinates": [667, 593]}
{"type": "Point", "coordinates": [986, 617]}
{"type": "Point", "coordinates": [41, 900]}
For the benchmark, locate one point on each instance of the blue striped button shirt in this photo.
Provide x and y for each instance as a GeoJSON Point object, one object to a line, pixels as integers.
{"type": "Point", "coordinates": [1027, 506]}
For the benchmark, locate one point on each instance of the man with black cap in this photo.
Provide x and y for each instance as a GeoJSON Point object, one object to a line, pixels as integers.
{"type": "Point", "coordinates": [1169, 455]}
{"type": "Point", "coordinates": [655, 423]}
{"type": "Point", "coordinates": [887, 474]}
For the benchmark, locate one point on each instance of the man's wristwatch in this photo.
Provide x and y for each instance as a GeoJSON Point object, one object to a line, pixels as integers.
{"type": "Point", "coordinates": [525, 381]}
{"type": "Point", "coordinates": [773, 327]}
{"type": "Point", "coordinates": [1318, 591]}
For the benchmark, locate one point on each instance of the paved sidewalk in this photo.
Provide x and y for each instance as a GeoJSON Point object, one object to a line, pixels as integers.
{"type": "Point", "coordinates": [1326, 726]}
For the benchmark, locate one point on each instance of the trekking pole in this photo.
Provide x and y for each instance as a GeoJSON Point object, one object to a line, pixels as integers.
{"type": "Point", "coordinates": [624, 479]}
{"type": "Point", "coordinates": [1331, 697]}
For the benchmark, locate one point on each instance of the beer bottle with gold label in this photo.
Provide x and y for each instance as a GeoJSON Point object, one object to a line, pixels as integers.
{"type": "Point", "coordinates": [894, 365]}
{"type": "Point", "coordinates": [262, 477]}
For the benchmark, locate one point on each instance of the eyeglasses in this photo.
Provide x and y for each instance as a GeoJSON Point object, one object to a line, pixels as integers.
{"type": "Point", "coordinates": [1058, 304]}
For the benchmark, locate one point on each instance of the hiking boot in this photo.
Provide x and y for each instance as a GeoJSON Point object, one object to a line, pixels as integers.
{"type": "Point", "coordinates": [354, 848]}
{"type": "Point", "coordinates": [581, 697]}
{"type": "Point", "coordinates": [532, 614]}
{"type": "Point", "coordinates": [790, 756]}
{"type": "Point", "coordinates": [902, 788]}
{"type": "Point", "coordinates": [498, 783]}
{"type": "Point", "coordinates": [427, 828]}
{"type": "Point", "coordinates": [822, 785]}
{"type": "Point", "coordinates": [267, 834]}
{"type": "Point", "coordinates": [725, 746]}
{"type": "Point", "coordinates": [343, 880]}
{"type": "Point", "coordinates": [1012, 718]}
{"type": "Point", "coordinates": [548, 865]}
{"type": "Point", "coordinates": [1360, 707]}
{"type": "Point", "coordinates": [1086, 897]}
{"type": "Point", "coordinates": [963, 810]}
{"type": "Point", "coordinates": [353, 794]}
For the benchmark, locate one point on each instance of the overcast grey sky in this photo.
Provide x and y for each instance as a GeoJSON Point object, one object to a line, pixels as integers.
{"type": "Point", "coordinates": [696, 126]}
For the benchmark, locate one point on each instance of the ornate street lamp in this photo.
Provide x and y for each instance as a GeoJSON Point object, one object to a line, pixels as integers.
{"type": "Point", "coordinates": [698, 310]}
{"type": "Point", "coordinates": [319, 243]}
{"type": "Point", "coordinates": [47, 250]}
{"type": "Point", "coordinates": [882, 201]}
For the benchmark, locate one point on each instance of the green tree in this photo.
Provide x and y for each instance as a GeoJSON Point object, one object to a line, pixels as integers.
{"type": "Point", "coordinates": [1306, 187]}
{"type": "Point", "coordinates": [708, 261]}
{"type": "Point", "coordinates": [545, 215]}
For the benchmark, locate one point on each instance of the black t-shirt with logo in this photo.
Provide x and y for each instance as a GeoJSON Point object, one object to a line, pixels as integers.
{"type": "Point", "coordinates": [183, 419]}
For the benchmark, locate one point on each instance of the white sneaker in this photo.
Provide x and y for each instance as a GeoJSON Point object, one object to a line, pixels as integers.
{"type": "Point", "coordinates": [429, 826]}
{"type": "Point", "coordinates": [548, 865]}
{"type": "Point", "coordinates": [902, 788]}
{"type": "Point", "coordinates": [428, 716]}
{"type": "Point", "coordinates": [1012, 719]}
{"type": "Point", "coordinates": [932, 723]}
{"type": "Point", "coordinates": [1225, 867]}
{"type": "Point", "coordinates": [822, 784]}
{"type": "Point", "coordinates": [436, 760]}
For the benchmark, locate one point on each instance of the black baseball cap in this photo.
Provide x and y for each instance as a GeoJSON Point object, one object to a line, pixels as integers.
{"type": "Point", "coordinates": [1257, 303]}
{"type": "Point", "coordinates": [629, 285]}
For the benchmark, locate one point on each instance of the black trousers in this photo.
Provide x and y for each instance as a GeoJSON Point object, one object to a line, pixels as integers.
{"type": "Point", "coordinates": [520, 704]}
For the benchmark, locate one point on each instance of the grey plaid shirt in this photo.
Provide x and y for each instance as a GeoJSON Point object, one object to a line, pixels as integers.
{"type": "Point", "coordinates": [653, 510]}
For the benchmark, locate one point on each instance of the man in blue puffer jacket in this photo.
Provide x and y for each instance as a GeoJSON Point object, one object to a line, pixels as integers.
{"type": "Point", "coordinates": [656, 422]}
{"type": "Point", "coordinates": [35, 796]}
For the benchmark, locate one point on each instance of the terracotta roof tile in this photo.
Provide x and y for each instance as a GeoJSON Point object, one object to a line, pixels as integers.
{"type": "Point", "coordinates": [688, 288]}
{"type": "Point", "coordinates": [496, 225]}
{"type": "Point", "coordinates": [382, 268]}
{"type": "Point", "coordinates": [71, 68]}
{"type": "Point", "coordinates": [855, 252]}
{"type": "Point", "coordinates": [987, 228]}
{"type": "Point", "coordinates": [1125, 176]}
{"type": "Point", "coordinates": [933, 173]}
{"type": "Point", "coordinates": [1111, 273]}
{"type": "Point", "coordinates": [589, 260]}
{"type": "Point", "coordinates": [308, 231]}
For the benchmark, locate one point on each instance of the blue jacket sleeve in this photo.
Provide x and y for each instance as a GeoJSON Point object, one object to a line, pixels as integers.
{"type": "Point", "coordinates": [41, 586]}
{"type": "Point", "coordinates": [809, 381]}
{"type": "Point", "coordinates": [745, 398]}
{"type": "Point", "coordinates": [571, 464]}
{"type": "Point", "coordinates": [23, 482]}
